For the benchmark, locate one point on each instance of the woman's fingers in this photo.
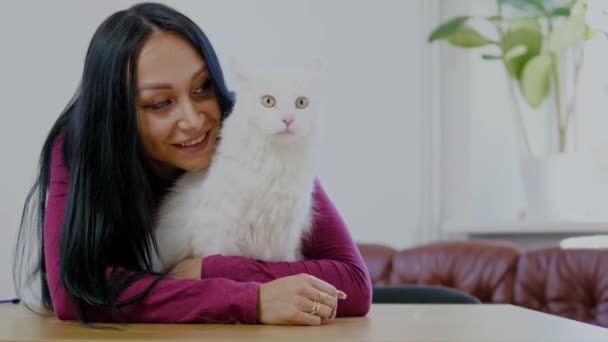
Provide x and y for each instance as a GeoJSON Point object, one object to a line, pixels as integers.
{"type": "Point", "coordinates": [322, 297]}
{"type": "Point", "coordinates": [333, 313]}
{"type": "Point", "coordinates": [315, 308]}
{"type": "Point", "coordinates": [326, 287]}
{"type": "Point", "coordinates": [324, 293]}
{"type": "Point", "coordinates": [304, 318]}
{"type": "Point", "coordinates": [295, 300]}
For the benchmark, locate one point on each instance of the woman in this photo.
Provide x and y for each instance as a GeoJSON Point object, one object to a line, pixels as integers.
{"type": "Point", "coordinates": [149, 107]}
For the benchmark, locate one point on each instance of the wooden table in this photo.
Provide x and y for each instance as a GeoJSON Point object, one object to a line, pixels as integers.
{"type": "Point", "coordinates": [384, 323]}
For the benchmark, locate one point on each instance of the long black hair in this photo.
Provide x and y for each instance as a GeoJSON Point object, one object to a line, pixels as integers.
{"type": "Point", "coordinates": [109, 207]}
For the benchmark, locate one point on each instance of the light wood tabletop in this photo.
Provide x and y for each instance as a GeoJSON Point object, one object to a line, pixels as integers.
{"type": "Point", "coordinates": [384, 323]}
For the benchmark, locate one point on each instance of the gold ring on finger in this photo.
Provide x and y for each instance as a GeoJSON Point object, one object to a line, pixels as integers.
{"type": "Point", "coordinates": [315, 307]}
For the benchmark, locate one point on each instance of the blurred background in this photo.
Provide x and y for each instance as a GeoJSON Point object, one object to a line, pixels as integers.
{"type": "Point", "coordinates": [422, 141]}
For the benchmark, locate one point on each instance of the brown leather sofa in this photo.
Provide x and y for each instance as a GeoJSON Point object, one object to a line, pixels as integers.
{"type": "Point", "coordinates": [572, 283]}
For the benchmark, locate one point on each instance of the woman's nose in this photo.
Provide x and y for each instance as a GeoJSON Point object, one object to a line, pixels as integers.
{"type": "Point", "coordinates": [190, 119]}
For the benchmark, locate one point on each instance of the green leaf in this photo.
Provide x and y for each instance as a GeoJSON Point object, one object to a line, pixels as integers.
{"type": "Point", "coordinates": [538, 4]}
{"type": "Point", "coordinates": [466, 36]}
{"type": "Point", "coordinates": [590, 33]}
{"type": "Point", "coordinates": [535, 79]}
{"type": "Point", "coordinates": [569, 3]}
{"type": "Point", "coordinates": [490, 57]}
{"type": "Point", "coordinates": [579, 8]}
{"type": "Point", "coordinates": [448, 28]}
{"type": "Point", "coordinates": [570, 32]}
{"type": "Point", "coordinates": [531, 23]}
{"type": "Point", "coordinates": [515, 52]}
{"type": "Point", "coordinates": [528, 36]}
{"type": "Point", "coordinates": [561, 12]}
{"type": "Point", "coordinates": [526, 6]}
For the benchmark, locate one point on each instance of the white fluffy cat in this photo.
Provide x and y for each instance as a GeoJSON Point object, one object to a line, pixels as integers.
{"type": "Point", "coordinates": [255, 198]}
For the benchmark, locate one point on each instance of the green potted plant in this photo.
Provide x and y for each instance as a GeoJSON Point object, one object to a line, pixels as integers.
{"type": "Point", "coordinates": [536, 41]}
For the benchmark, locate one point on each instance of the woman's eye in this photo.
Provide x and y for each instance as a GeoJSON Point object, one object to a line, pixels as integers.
{"type": "Point", "coordinates": [158, 105]}
{"type": "Point", "coordinates": [301, 102]}
{"type": "Point", "coordinates": [268, 101]}
{"type": "Point", "coordinates": [203, 88]}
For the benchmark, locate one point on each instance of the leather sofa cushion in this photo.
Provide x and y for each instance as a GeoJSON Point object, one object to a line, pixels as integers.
{"type": "Point", "coordinates": [379, 261]}
{"type": "Point", "coordinates": [571, 283]}
{"type": "Point", "coordinates": [485, 269]}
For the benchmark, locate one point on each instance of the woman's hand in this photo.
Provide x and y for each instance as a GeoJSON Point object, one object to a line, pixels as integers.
{"type": "Point", "coordinates": [293, 301]}
{"type": "Point", "coordinates": [187, 269]}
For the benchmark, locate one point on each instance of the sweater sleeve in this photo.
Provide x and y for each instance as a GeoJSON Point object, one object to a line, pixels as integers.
{"type": "Point", "coordinates": [219, 300]}
{"type": "Point", "coordinates": [330, 255]}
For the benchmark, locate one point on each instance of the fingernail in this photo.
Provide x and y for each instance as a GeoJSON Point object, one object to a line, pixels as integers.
{"type": "Point", "coordinates": [341, 295]}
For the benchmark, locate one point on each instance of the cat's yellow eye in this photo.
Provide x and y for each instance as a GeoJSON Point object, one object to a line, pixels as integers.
{"type": "Point", "coordinates": [301, 102]}
{"type": "Point", "coordinates": [268, 101]}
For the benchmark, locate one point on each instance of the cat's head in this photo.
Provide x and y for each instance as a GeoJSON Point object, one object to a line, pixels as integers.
{"type": "Point", "coordinates": [283, 105]}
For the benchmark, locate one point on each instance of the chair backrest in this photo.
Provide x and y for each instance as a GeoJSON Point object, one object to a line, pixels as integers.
{"type": "Point", "coordinates": [418, 294]}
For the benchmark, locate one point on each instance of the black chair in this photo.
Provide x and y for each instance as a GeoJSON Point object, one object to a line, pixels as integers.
{"type": "Point", "coordinates": [419, 294]}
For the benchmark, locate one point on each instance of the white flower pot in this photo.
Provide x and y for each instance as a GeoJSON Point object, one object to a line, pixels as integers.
{"type": "Point", "coordinates": [558, 186]}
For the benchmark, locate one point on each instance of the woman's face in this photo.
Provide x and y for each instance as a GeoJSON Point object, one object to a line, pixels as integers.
{"type": "Point", "coordinates": [177, 110]}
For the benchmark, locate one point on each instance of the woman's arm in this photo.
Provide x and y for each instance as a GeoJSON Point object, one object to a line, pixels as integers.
{"type": "Point", "coordinates": [330, 255]}
{"type": "Point", "coordinates": [219, 300]}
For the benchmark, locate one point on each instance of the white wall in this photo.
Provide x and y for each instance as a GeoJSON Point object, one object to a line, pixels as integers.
{"type": "Point", "coordinates": [455, 123]}
{"type": "Point", "coordinates": [376, 159]}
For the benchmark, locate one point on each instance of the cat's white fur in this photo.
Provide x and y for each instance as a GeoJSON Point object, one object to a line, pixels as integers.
{"type": "Point", "coordinates": [255, 198]}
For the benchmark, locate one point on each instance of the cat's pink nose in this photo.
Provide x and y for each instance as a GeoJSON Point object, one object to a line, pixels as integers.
{"type": "Point", "coordinates": [287, 120]}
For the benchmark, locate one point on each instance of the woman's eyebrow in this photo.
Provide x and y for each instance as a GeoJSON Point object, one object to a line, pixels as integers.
{"type": "Point", "coordinates": [200, 71]}
{"type": "Point", "coordinates": [167, 85]}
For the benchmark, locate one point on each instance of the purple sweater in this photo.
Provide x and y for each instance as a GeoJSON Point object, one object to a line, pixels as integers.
{"type": "Point", "coordinates": [228, 289]}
